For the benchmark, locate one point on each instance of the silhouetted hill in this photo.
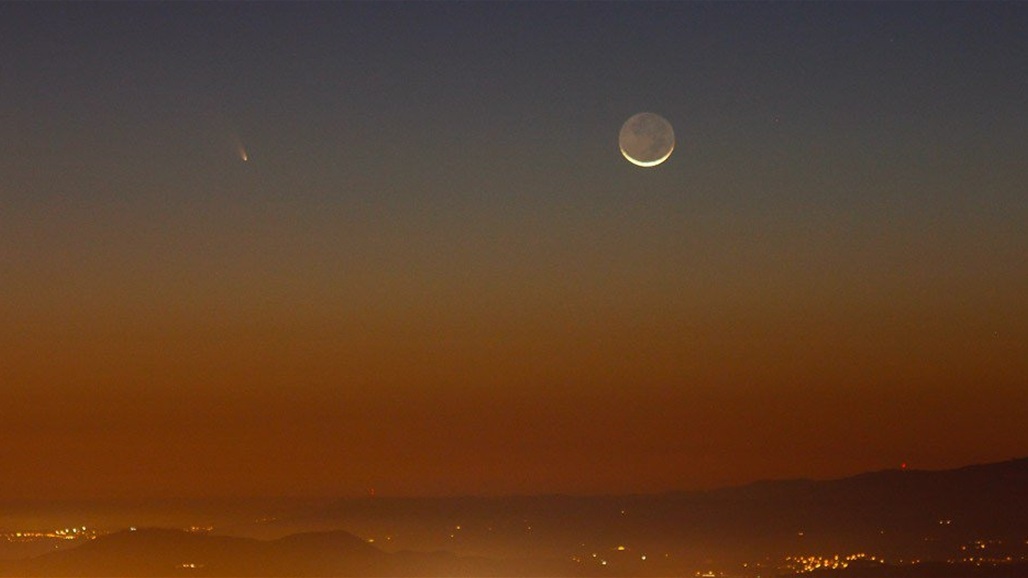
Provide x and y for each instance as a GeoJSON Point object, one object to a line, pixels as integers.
{"type": "Point", "coordinates": [168, 553]}
{"type": "Point", "coordinates": [895, 513]}
{"type": "Point", "coordinates": [159, 552]}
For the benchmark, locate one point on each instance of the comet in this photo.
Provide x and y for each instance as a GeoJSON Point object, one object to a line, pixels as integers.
{"type": "Point", "coordinates": [240, 149]}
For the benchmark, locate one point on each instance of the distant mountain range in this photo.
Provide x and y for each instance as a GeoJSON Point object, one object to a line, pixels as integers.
{"type": "Point", "coordinates": [166, 553]}
{"type": "Point", "coordinates": [899, 515]}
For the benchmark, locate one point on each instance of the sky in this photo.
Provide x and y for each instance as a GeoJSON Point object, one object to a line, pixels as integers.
{"type": "Point", "coordinates": [311, 249]}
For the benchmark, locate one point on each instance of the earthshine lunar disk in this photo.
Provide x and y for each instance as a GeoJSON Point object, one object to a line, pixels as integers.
{"type": "Point", "coordinates": [646, 139]}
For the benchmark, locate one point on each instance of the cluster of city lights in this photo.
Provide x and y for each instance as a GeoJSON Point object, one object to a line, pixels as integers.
{"type": "Point", "coordinates": [75, 533]}
{"type": "Point", "coordinates": [802, 564]}
{"type": "Point", "coordinates": [988, 552]}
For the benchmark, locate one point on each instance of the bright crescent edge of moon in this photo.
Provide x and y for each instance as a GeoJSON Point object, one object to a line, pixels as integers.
{"type": "Point", "coordinates": [647, 163]}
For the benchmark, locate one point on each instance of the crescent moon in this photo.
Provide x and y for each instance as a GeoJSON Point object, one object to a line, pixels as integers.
{"type": "Point", "coordinates": [647, 163]}
{"type": "Point", "coordinates": [646, 139]}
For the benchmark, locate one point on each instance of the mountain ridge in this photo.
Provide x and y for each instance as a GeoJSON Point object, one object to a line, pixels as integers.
{"type": "Point", "coordinates": [896, 514]}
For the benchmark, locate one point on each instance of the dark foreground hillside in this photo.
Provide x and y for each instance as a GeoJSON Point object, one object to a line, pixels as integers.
{"type": "Point", "coordinates": [165, 553]}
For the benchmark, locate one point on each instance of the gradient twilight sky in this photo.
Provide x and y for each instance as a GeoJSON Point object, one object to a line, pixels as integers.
{"type": "Point", "coordinates": [436, 274]}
